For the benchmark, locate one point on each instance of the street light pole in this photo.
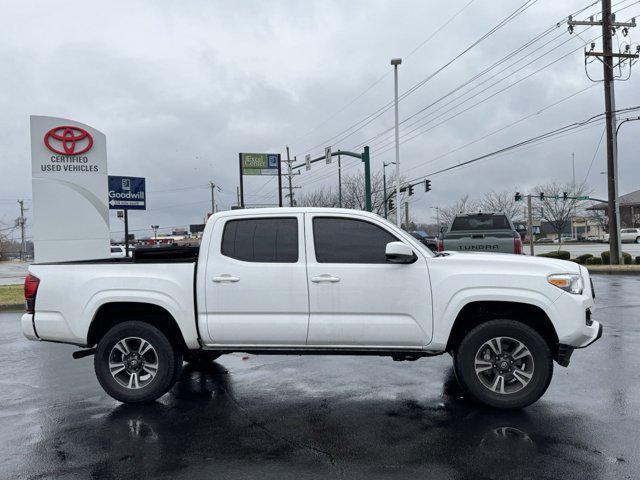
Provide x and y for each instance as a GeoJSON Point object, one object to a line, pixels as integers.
{"type": "Point", "coordinates": [384, 186]}
{"type": "Point", "coordinates": [631, 119]}
{"type": "Point", "coordinates": [395, 62]}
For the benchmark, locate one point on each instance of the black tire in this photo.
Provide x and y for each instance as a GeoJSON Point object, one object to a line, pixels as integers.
{"type": "Point", "coordinates": [166, 360]}
{"type": "Point", "coordinates": [201, 356]}
{"type": "Point", "coordinates": [638, 240]}
{"type": "Point", "coordinates": [510, 392]}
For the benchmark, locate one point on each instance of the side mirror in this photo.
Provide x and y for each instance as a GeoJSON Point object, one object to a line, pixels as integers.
{"type": "Point", "coordinates": [442, 229]}
{"type": "Point", "coordinates": [398, 252]}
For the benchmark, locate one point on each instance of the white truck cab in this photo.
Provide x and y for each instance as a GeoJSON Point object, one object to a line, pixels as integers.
{"type": "Point", "coordinates": [321, 281]}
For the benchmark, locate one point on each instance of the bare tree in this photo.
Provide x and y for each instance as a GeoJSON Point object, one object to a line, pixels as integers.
{"type": "Point", "coordinates": [6, 242]}
{"type": "Point", "coordinates": [599, 217]}
{"type": "Point", "coordinates": [556, 211]}
{"type": "Point", "coordinates": [322, 197]}
{"type": "Point", "coordinates": [463, 205]}
{"type": "Point", "coordinates": [353, 194]}
{"type": "Point", "coordinates": [503, 202]}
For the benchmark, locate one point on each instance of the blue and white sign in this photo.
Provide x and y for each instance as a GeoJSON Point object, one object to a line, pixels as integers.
{"type": "Point", "coordinates": [127, 193]}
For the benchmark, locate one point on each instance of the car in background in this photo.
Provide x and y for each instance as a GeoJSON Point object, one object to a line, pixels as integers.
{"type": "Point", "coordinates": [119, 251]}
{"type": "Point", "coordinates": [630, 235]}
{"type": "Point", "coordinates": [544, 240]}
{"type": "Point", "coordinates": [430, 241]}
{"type": "Point", "coordinates": [481, 232]}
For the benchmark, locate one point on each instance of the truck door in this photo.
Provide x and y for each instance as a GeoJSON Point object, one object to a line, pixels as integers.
{"type": "Point", "coordinates": [356, 297]}
{"type": "Point", "coordinates": [256, 281]}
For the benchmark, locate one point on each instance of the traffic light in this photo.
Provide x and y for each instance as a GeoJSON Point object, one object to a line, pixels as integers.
{"type": "Point", "coordinates": [390, 206]}
{"type": "Point", "coordinates": [565, 196]}
{"type": "Point", "coordinates": [410, 189]}
{"type": "Point", "coordinates": [427, 185]}
{"type": "Point", "coordinates": [541, 196]}
{"type": "Point", "coordinates": [518, 197]}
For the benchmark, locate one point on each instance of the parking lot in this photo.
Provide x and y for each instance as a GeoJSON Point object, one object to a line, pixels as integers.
{"type": "Point", "coordinates": [324, 417]}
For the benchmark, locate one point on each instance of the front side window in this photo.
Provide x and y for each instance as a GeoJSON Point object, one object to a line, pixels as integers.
{"type": "Point", "coordinates": [345, 240]}
{"type": "Point", "coordinates": [261, 240]}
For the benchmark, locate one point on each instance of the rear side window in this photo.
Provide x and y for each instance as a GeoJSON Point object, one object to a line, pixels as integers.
{"type": "Point", "coordinates": [345, 240]}
{"type": "Point", "coordinates": [481, 222]}
{"type": "Point", "coordinates": [261, 240]}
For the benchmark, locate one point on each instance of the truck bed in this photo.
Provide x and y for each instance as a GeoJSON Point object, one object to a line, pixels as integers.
{"type": "Point", "coordinates": [186, 254]}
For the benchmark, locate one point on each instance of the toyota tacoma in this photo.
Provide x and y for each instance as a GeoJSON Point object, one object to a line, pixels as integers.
{"type": "Point", "coordinates": [314, 281]}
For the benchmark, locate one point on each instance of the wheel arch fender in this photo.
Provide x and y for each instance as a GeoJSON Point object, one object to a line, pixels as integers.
{"type": "Point", "coordinates": [107, 308]}
{"type": "Point", "coordinates": [482, 304]}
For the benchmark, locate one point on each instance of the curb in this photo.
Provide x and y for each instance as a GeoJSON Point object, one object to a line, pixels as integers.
{"type": "Point", "coordinates": [11, 306]}
{"type": "Point", "coordinates": [614, 270]}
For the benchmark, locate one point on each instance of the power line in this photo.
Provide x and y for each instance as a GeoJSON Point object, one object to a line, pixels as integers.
{"type": "Point", "coordinates": [595, 118]}
{"type": "Point", "coordinates": [386, 74]}
{"type": "Point", "coordinates": [376, 114]}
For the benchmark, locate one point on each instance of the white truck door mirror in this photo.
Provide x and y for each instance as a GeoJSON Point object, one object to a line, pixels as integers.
{"type": "Point", "coordinates": [398, 252]}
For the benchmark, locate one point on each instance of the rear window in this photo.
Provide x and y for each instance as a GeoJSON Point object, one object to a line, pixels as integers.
{"type": "Point", "coordinates": [261, 240]}
{"type": "Point", "coordinates": [481, 222]}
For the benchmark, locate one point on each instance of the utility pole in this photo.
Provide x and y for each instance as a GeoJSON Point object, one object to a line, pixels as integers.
{"type": "Point", "coordinates": [609, 25]}
{"type": "Point", "coordinates": [213, 187]}
{"type": "Point", "coordinates": [21, 221]}
{"type": "Point", "coordinates": [395, 62]}
{"type": "Point", "coordinates": [290, 174]}
{"type": "Point", "coordinates": [530, 224]}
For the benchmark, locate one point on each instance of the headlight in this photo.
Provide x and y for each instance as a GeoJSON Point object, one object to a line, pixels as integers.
{"type": "Point", "coordinates": [567, 282]}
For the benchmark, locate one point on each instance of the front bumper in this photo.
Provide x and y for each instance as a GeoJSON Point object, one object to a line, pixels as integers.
{"type": "Point", "coordinates": [597, 337]}
{"type": "Point", "coordinates": [563, 357]}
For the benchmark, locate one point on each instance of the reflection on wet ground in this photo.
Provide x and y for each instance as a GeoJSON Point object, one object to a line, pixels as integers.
{"type": "Point", "coordinates": [319, 417]}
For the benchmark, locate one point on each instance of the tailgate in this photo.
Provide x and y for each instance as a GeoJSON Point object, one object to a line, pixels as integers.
{"type": "Point", "coordinates": [496, 242]}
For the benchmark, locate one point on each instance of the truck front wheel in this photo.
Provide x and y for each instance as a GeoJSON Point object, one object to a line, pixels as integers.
{"type": "Point", "coordinates": [136, 363]}
{"type": "Point", "coordinates": [504, 364]}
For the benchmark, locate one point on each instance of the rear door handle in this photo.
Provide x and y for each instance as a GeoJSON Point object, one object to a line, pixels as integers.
{"type": "Point", "coordinates": [225, 278]}
{"type": "Point", "coordinates": [325, 278]}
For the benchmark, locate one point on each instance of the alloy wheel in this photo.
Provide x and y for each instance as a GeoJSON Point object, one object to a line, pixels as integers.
{"type": "Point", "coordinates": [504, 365]}
{"type": "Point", "coordinates": [133, 362]}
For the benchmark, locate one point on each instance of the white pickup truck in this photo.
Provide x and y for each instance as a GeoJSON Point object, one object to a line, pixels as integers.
{"type": "Point", "coordinates": [315, 281]}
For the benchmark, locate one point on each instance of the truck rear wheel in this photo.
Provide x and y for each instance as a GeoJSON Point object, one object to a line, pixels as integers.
{"type": "Point", "coordinates": [504, 364]}
{"type": "Point", "coordinates": [136, 363]}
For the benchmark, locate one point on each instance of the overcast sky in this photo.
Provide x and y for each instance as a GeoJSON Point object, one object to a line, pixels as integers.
{"type": "Point", "coordinates": [180, 88]}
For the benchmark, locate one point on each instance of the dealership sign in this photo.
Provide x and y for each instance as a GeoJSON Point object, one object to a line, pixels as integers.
{"type": "Point", "coordinates": [127, 193]}
{"type": "Point", "coordinates": [68, 140]}
{"type": "Point", "coordinates": [259, 163]}
{"type": "Point", "coordinates": [69, 172]}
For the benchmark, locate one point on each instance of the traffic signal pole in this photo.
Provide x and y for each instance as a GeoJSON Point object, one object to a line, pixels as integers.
{"type": "Point", "coordinates": [365, 157]}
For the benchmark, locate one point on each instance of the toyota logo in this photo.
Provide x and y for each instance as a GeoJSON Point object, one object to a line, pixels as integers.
{"type": "Point", "coordinates": [68, 140]}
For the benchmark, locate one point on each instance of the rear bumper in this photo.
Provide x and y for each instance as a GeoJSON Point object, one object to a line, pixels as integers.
{"type": "Point", "coordinates": [28, 328]}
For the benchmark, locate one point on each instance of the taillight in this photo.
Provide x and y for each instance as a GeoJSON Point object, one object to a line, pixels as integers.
{"type": "Point", "coordinates": [517, 246]}
{"type": "Point", "coordinates": [31, 283]}
{"type": "Point", "coordinates": [440, 245]}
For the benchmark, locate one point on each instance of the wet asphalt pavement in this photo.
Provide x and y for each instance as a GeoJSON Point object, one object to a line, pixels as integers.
{"type": "Point", "coordinates": [325, 417]}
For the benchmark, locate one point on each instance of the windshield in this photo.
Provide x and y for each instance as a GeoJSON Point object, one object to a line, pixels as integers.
{"type": "Point", "coordinates": [481, 222]}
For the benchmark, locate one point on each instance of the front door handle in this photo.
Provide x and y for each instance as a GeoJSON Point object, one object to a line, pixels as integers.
{"type": "Point", "coordinates": [325, 278]}
{"type": "Point", "coordinates": [225, 278]}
